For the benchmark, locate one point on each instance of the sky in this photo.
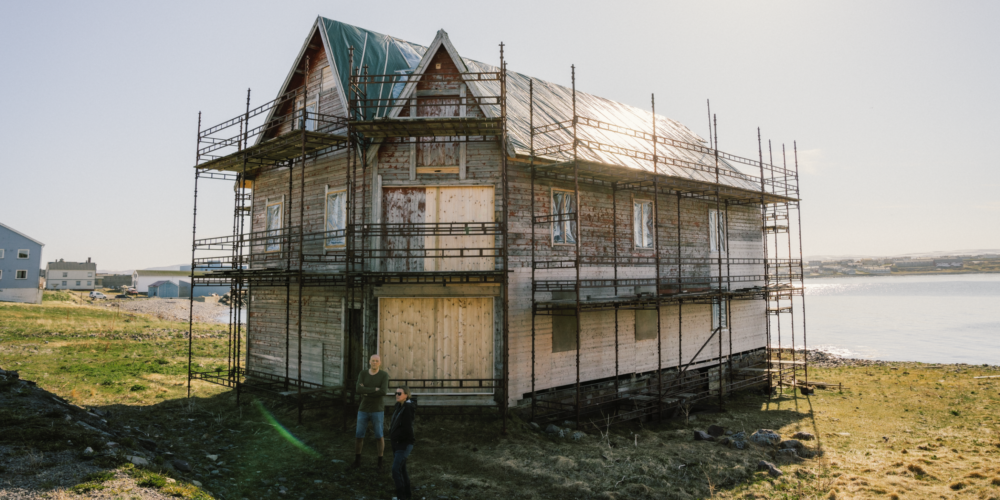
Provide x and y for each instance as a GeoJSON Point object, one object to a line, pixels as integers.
{"type": "Point", "coordinates": [891, 104]}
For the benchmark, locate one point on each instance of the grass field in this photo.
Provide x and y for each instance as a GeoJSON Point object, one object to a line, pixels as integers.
{"type": "Point", "coordinates": [902, 431]}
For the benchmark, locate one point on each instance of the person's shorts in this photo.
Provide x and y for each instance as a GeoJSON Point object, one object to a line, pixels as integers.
{"type": "Point", "coordinates": [376, 418]}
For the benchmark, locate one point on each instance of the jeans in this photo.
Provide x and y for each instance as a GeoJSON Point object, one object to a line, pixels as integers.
{"type": "Point", "coordinates": [376, 418]}
{"type": "Point", "coordinates": [399, 474]}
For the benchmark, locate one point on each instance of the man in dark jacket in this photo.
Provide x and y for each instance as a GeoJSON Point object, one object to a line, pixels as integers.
{"type": "Point", "coordinates": [401, 437]}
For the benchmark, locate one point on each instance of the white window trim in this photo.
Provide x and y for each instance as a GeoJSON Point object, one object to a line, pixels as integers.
{"type": "Point", "coordinates": [19, 271]}
{"type": "Point", "coordinates": [635, 244]}
{"type": "Point", "coordinates": [1, 253]}
{"type": "Point", "coordinates": [552, 211]}
{"type": "Point", "coordinates": [1, 274]}
{"type": "Point", "coordinates": [27, 253]}
{"type": "Point", "coordinates": [717, 231]}
{"type": "Point", "coordinates": [326, 215]}
{"type": "Point", "coordinates": [281, 223]}
{"type": "Point", "coordinates": [724, 303]}
{"type": "Point", "coordinates": [65, 274]}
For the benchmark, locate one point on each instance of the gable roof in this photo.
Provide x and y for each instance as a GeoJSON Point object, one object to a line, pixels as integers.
{"type": "Point", "coordinates": [71, 266]}
{"type": "Point", "coordinates": [385, 54]}
{"type": "Point", "coordinates": [19, 233]}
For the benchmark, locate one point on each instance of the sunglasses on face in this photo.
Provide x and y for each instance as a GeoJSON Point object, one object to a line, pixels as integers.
{"type": "Point", "coordinates": [399, 393]}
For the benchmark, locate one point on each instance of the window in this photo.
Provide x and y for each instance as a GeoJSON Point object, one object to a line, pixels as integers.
{"type": "Point", "coordinates": [719, 314]}
{"type": "Point", "coordinates": [65, 274]}
{"type": "Point", "coordinates": [563, 218]}
{"type": "Point", "coordinates": [563, 333]}
{"type": "Point", "coordinates": [273, 227]}
{"type": "Point", "coordinates": [642, 224]}
{"type": "Point", "coordinates": [336, 219]}
{"type": "Point", "coordinates": [645, 324]}
{"type": "Point", "coordinates": [21, 274]}
{"type": "Point", "coordinates": [64, 283]}
{"type": "Point", "coordinates": [22, 254]}
{"type": "Point", "coordinates": [77, 283]}
{"type": "Point", "coordinates": [88, 283]}
{"type": "Point", "coordinates": [90, 275]}
{"type": "Point", "coordinates": [308, 116]}
{"type": "Point", "coordinates": [716, 231]}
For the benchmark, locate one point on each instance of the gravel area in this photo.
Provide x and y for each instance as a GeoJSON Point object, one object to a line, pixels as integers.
{"type": "Point", "coordinates": [209, 311]}
{"type": "Point", "coordinates": [828, 360]}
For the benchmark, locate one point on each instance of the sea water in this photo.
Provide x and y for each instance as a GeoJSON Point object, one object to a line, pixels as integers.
{"type": "Point", "coordinates": [933, 318]}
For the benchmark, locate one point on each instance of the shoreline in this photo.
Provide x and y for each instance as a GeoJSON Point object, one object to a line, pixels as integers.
{"type": "Point", "coordinates": [824, 359]}
{"type": "Point", "coordinates": [898, 274]}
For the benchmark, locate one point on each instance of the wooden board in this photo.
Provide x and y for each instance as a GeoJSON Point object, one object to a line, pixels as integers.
{"type": "Point", "coordinates": [437, 338]}
{"type": "Point", "coordinates": [460, 204]}
{"type": "Point", "coordinates": [312, 360]}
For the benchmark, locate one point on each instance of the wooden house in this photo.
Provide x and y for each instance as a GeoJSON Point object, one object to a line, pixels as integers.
{"type": "Point", "coordinates": [499, 240]}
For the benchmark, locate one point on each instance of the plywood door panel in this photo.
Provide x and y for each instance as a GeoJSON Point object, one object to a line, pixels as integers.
{"type": "Point", "coordinates": [437, 338]}
{"type": "Point", "coordinates": [460, 204]}
{"type": "Point", "coordinates": [403, 206]}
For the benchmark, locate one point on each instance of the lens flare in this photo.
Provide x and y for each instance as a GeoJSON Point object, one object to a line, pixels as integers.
{"type": "Point", "coordinates": [283, 432]}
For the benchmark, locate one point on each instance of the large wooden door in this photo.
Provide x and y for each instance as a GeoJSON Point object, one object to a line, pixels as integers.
{"type": "Point", "coordinates": [437, 338]}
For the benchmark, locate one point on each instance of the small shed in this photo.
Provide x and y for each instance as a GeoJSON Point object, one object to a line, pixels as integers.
{"type": "Point", "coordinates": [164, 289]}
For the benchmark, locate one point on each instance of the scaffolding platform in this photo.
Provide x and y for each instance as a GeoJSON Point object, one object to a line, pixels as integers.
{"type": "Point", "coordinates": [279, 149]}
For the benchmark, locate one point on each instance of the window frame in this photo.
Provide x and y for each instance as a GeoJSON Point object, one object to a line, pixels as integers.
{"type": "Point", "coordinates": [652, 234]}
{"type": "Point", "coordinates": [717, 231]}
{"type": "Point", "coordinates": [326, 218]}
{"type": "Point", "coordinates": [18, 273]}
{"type": "Point", "coordinates": [27, 253]}
{"type": "Point", "coordinates": [552, 212]}
{"type": "Point", "coordinates": [78, 283]}
{"type": "Point", "coordinates": [1, 274]}
{"type": "Point", "coordinates": [1, 253]}
{"type": "Point", "coordinates": [64, 283]}
{"type": "Point", "coordinates": [724, 304]}
{"type": "Point", "coordinates": [65, 274]}
{"type": "Point", "coordinates": [267, 220]}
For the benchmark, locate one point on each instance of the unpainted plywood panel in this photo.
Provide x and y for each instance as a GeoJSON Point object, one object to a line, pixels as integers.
{"type": "Point", "coordinates": [403, 206]}
{"type": "Point", "coordinates": [460, 204]}
{"type": "Point", "coordinates": [437, 338]}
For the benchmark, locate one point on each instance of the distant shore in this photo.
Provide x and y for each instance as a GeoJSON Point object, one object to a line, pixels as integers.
{"type": "Point", "coordinates": [937, 273]}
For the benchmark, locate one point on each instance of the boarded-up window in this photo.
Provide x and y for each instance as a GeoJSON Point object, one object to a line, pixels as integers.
{"type": "Point", "coordinates": [719, 314]}
{"type": "Point", "coordinates": [642, 224]}
{"type": "Point", "coordinates": [716, 230]}
{"type": "Point", "coordinates": [564, 218]}
{"type": "Point", "coordinates": [336, 218]}
{"type": "Point", "coordinates": [437, 338]}
{"type": "Point", "coordinates": [645, 324]}
{"type": "Point", "coordinates": [439, 206]}
{"type": "Point", "coordinates": [563, 333]}
{"type": "Point", "coordinates": [272, 226]}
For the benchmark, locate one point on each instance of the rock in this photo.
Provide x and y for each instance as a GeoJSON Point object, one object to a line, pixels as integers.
{"type": "Point", "coordinates": [729, 433]}
{"type": "Point", "coordinates": [88, 451]}
{"type": "Point", "coordinates": [578, 436]}
{"type": "Point", "coordinates": [171, 480]}
{"type": "Point", "coordinates": [765, 437]}
{"type": "Point", "coordinates": [702, 436]}
{"type": "Point", "coordinates": [737, 445]}
{"type": "Point", "coordinates": [148, 444]}
{"type": "Point", "coordinates": [716, 430]}
{"type": "Point", "coordinates": [100, 413]}
{"type": "Point", "coordinates": [318, 481]}
{"type": "Point", "coordinates": [212, 457]}
{"type": "Point", "coordinates": [563, 463]}
{"type": "Point", "coordinates": [196, 483]}
{"type": "Point", "coordinates": [553, 429]}
{"type": "Point", "coordinates": [181, 465]}
{"type": "Point", "coordinates": [790, 444]}
{"type": "Point", "coordinates": [535, 426]}
{"type": "Point", "coordinates": [769, 467]}
{"type": "Point", "coordinates": [331, 461]}
{"type": "Point", "coordinates": [561, 434]}
{"type": "Point", "coordinates": [804, 436]}
{"type": "Point", "coordinates": [137, 460]}
{"type": "Point", "coordinates": [90, 427]}
{"type": "Point", "coordinates": [693, 417]}
{"type": "Point", "coordinates": [111, 445]}
{"type": "Point", "coordinates": [282, 490]}
{"type": "Point", "coordinates": [788, 452]}
{"type": "Point", "coordinates": [569, 423]}
{"type": "Point", "coordinates": [216, 471]}
{"type": "Point", "coordinates": [739, 436]}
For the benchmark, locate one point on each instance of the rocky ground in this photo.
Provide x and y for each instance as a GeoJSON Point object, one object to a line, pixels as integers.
{"type": "Point", "coordinates": [212, 310]}
{"type": "Point", "coordinates": [51, 448]}
{"type": "Point", "coordinates": [821, 359]}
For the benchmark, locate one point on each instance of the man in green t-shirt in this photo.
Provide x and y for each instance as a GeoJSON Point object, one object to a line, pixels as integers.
{"type": "Point", "coordinates": [373, 384]}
